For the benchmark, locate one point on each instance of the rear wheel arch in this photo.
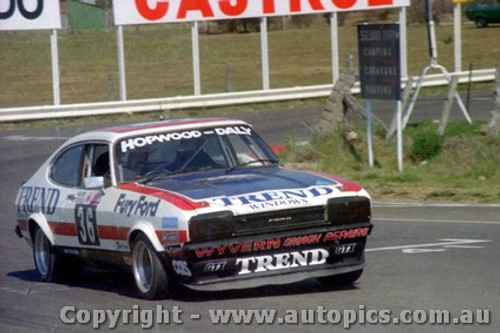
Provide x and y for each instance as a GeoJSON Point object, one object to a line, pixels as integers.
{"type": "Point", "coordinates": [39, 221]}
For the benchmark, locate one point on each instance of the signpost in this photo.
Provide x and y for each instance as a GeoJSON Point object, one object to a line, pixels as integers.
{"type": "Point", "coordinates": [380, 73]}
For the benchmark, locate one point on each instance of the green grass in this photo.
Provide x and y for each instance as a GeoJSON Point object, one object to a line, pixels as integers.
{"type": "Point", "coordinates": [159, 64]}
{"type": "Point", "coordinates": [159, 60]}
{"type": "Point", "coordinates": [466, 168]}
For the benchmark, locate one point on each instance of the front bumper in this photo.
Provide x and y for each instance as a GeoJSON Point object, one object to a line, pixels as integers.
{"type": "Point", "coordinates": [281, 258]}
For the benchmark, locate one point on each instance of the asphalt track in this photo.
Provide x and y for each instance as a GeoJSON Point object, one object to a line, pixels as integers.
{"type": "Point", "coordinates": [420, 256]}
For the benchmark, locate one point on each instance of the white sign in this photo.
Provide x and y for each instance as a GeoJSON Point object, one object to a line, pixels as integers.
{"type": "Point", "coordinates": [29, 14]}
{"type": "Point", "coordinates": [164, 11]}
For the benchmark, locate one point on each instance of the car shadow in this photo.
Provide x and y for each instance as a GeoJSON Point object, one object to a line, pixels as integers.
{"type": "Point", "coordinates": [122, 283]}
{"type": "Point", "coordinates": [305, 287]}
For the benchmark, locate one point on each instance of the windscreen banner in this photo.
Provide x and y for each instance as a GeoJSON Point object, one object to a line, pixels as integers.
{"type": "Point", "coordinates": [29, 14]}
{"type": "Point", "coordinates": [169, 11]}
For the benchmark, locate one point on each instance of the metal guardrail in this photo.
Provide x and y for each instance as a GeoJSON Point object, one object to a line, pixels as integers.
{"type": "Point", "coordinates": [212, 100]}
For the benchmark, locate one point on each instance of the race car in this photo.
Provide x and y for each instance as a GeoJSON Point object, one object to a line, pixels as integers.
{"type": "Point", "coordinates": [203, 203]}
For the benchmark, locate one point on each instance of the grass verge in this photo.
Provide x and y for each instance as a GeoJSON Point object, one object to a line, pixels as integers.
{"type": "Point", "coordinates": [465, 169]}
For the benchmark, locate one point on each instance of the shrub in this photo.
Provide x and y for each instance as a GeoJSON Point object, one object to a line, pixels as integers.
{"type": "Point", "coordinates": [426, 145]}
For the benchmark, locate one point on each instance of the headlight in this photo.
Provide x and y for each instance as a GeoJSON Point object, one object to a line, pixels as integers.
{"type": "Point", "coordinates": [348, 210]}
{"type": "Point", "coordinates": [211, 226]}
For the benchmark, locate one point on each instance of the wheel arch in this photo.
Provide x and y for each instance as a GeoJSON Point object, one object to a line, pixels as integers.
{"type": "Point", "coordinates": [147, 229]}
{"type": "Point", "coordinates": [39, 220]}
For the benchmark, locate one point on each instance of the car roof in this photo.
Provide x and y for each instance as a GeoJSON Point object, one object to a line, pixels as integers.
{"type": "Point", "coordinates": [115, 133]}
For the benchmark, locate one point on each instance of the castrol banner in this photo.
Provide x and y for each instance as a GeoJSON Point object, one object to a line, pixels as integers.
{"type": "Point", "coordinates": [29, 14]}
{"type": "Point", "coordinates": [165, 11]}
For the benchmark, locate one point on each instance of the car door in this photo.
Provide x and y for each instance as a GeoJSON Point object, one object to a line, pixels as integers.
{"type": "Point", "coordinates": [78, 224]}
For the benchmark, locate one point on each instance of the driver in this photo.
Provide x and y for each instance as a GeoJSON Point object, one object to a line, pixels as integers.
{"type": "Point", "coordinates": [134, 164]}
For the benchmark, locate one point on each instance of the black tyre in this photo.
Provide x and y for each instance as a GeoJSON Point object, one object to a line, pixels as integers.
{"type": "Point", "coordinates": [44, 256]}
{"type": "Point", "coordinates": [481, 22]}
{"type": "Point", "coordinates": [341, 279]}
{"type": "Point", "coordinates": [149, 274]}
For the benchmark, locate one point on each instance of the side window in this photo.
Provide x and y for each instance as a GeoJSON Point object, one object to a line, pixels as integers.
{"type": "Point", "coordinates": [100, 161]}
{"type": "Point", "coordinates": [67, 169]}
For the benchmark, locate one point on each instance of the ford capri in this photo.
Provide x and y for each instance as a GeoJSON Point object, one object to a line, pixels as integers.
{"type": "Point", "coordinates": [203, 203]}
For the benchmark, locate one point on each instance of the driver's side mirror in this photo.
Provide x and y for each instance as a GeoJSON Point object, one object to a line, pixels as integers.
{"type": "Point", "coordinates": [93, 183]}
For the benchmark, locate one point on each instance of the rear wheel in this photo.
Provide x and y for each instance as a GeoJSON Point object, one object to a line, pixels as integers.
{"type": "Point", "coordinates": [149, 273]}
{"type": "Point", "coordinates": [341, 279]}
{"type": "Point", "coordinates": [44, 256]}
{"type": "Point", "coordinates": [54, 266]}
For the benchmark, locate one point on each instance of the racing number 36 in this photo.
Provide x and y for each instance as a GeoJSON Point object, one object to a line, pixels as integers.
{"type": "Point", "coordinates": [86, 224]}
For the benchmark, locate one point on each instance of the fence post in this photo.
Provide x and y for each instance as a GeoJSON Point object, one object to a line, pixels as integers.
{"type": "Point", "coordinates": [494, 126]}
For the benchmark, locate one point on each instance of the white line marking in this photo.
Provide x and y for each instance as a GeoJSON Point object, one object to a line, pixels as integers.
{"type": "Point", "coordinates": [413, 251]}
{"type": "Point", "coordinates": [388, 204]}
{"type": "Point", "coordinates": [391, 219]}
{"type": "Point", "coordinates": [445, 241]}
{"type": "Point", "coordinates": [463, 247]}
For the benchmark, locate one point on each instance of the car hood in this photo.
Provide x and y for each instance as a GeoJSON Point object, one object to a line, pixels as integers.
{"type": "Point", "coordinates": [252, 189]}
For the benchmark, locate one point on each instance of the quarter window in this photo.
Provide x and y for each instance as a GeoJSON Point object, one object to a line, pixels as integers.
{"type": "Point", "coordinates": [67, 168]}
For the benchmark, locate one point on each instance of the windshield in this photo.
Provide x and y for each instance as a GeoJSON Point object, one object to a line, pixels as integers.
{"type": "Point", "coordinates": [144, 158]}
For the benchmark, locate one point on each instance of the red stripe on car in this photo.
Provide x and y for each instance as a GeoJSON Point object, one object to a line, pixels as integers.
{"type": "Point", "coordinates": [113, 233]}
{"type": "Point", "coordinates": [63, 228]}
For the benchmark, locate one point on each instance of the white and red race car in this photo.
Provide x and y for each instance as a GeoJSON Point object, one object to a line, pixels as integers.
{"type": "Point", "coordinates": [200, 202]}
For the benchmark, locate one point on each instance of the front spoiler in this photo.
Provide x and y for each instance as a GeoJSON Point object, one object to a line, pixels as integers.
{"type": "Point", "coordinates": [273, 279]}
{"type": "Point", "coordinates": [251, 261]}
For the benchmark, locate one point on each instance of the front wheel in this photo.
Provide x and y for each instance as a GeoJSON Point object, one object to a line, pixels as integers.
{"type": "Point", "coordinates": [149, 274]}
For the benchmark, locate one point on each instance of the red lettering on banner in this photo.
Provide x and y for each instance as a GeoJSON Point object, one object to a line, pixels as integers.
{"type": "Point", "coordinates": [315, 4]}
{"type": "Point", "coordinates": [233, 10]}
{"type": "Point", "coordinates": [189, 5]}
{"type": "Point", "coordinates": [268, 6]}
{"type": "Point", "coordinates": [149, 13]}
{"type": "Point", "coordinates": [380, 2]}
{"type": "Point", "coordinates": [344, 4]}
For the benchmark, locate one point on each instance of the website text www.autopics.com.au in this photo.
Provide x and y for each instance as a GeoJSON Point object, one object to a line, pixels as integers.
{"type": "Point", "coordinates": [163, 315]}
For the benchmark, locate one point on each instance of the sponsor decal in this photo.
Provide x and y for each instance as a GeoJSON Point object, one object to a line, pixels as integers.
{"type": "Point", "coordinates": [90, 198]}
{"type": "Point", "coordinates": [345, 248]}
{"type": "Point", "coordinates": [282, 261]}
{"type": "Point", "coordinates": [142, 141]}
{"type": "Point", "coordinates": [269, 199]}
{"type": "Point", "coordinates": [169, 237]}
{"type": "Point", "coordinates": [139, 207]}
{"type": "Point", "coordinates": [122, 246]}
{"type": "Point", "coordinates": [181, 267]}
{"type": "Point", "coordinates": [170, 222]}
{"type": "Point", "coordinates": [346, 234]}
{"type": "Point", "coordinates": [212, 267]}
{"type": "Point", "coordinates": [71, 251]}
{"type": "Point", "coordinates": [233, 130]}
{"type": "Point", "coordinates": [34, 199]}
{"type": "Point", "coordinates": [277, 243]}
